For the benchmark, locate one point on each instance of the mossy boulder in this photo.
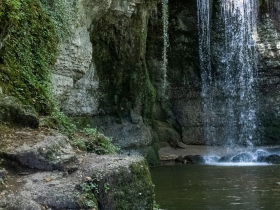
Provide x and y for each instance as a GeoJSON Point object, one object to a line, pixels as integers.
{"type": "Point", "coordinates": [14, 112]}
{"type": "Point", "coordinates": [128, 187]}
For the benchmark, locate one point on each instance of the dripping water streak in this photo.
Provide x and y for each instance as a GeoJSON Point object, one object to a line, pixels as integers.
{"type": "Point", "coordinates": [165, 21]}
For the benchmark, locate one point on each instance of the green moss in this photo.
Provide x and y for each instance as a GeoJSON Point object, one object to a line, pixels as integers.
{"type": "Point", "coordinates": [139, 190]}
{"type": "Point", "coordinates": [119, 50]}
{"type": "Point", "coordinates": [29, 50]}
{"type": "Point", "coordinates": [152, 156]}
{"type": "Point", "coordinates": [130, 188]}
{"type": "Point", "coordinates": [62, 13]}
{"type": "Point", "coordinates": [123, 188]}
{"type": "Point", "coordinates": [92, 141]}
{"type": "Point", "coordinates": [88, 199]}
{"type": "Point", "coordinates": [149, 96]}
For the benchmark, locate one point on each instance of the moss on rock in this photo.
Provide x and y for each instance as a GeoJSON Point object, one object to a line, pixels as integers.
{"type": "Point", "coordinates": [127, 188]}
{"type": "Point", "coordinates": [119, 48]}
{"type": "Point", "coordinates": [28, 48]}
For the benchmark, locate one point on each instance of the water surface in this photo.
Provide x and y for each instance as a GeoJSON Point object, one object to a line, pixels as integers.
{"type": "Point", "coordinates": [188, 187]}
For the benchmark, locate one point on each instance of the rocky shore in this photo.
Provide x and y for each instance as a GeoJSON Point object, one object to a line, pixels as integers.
{"type": "Point", "coordinates": [39, 169]}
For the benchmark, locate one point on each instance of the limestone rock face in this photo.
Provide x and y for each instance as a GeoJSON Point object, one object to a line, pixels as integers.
{"type": "Point", "coordinates": [114, 51]}
{"type": "Point", "coordinates": [269, 66]}
{"type": "Point", "coordinates": [126, 134]}
{"type": "Point", "coordinates": [181, 106]}
{"type": "Point", "coordinates": [72, 76]}
{"type": "Point", "coordinates": [75, 79]}
{"type": "Point", "coordinates": [101, 68]}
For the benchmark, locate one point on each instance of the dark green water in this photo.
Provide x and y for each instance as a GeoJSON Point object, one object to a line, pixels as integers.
{"type": "Point", "coordinates": [187, 187]}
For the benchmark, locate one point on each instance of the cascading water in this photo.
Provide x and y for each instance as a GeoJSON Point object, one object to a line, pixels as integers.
{"type": "Point", "coordinates": [238, 78]}
{"type": "Point", "coordinates": [205, 65]}
{"type": "Point", "coordinates": [228, 89]}
{"type": "Point", "coordinates": [165, 21]}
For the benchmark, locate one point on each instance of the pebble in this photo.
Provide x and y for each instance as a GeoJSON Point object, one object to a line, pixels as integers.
{"type": "Point", "coordinates": [3, 173]}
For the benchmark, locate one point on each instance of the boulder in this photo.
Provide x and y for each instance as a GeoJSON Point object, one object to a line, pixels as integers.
{"type": "Point", "coordinates": [275, 159]}
{"type": "Point", "coordinates": [165, 133]}
{"type": "Point", "coordinates": [42, 150]}
{"type": "Point", "coordinates": [126, 134]}
{"type": "Point", "coordinates": [13, 111]}
{"type": "Point", "coordinates": [190, 159]}
{"type": "Point", "coordinates": [16, 202]}
{"type": "Point", "coordinates": [243, 157]}
{"type": "Point", "coordinates": [226, 158]}
{"type": "Point", "coordinates": [3, 173]}
{"type": "Point", "coordinates": [259, 153]}
{"type": "Point", "coordinates": [183, 160]}
{"type": "Point", "coordinates": [261, 159]}
{"type": "Point", "coordinates": [194, 159]}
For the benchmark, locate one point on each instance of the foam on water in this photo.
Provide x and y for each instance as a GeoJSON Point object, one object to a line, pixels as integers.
{"type": "Point", "coordinates": [243, 157]}
{"type": "Point", "coordinates": [238, 164]}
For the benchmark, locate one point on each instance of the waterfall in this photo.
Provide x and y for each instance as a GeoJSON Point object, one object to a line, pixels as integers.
{"type": "Point", "coordinates": [165, 21]}
{"type": "Point", "coordinates": [205, 65]}
{"type": "Point", "coordinates": [229, 89]}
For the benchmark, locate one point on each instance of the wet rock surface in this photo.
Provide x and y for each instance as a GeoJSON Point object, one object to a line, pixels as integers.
{"type": "Point", "coordinates": [274, 159]}
{"type": "Point", "coordinates": [226, 158]}
{"type": "Point", "coordinates": [190, 159]}
{"type": "Point", "coordinates": [243, 157]}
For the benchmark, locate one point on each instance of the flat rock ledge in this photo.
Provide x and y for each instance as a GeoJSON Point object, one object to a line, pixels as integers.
{"type": "Point", "coordinates": [49, 174]}
{"type": "Point", "coordinates": [126, 179]}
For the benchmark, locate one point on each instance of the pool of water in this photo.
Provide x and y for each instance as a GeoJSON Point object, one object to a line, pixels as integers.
{"type": "Point", "coordinates": [212, 187]}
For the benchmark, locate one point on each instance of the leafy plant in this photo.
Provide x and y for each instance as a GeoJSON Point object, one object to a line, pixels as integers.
{"type": "Point", "coordinates": [90, 189]}
{"type": "Point", "coordinates": [156, 206]}
{"type": "Point", "coordinates": [28, 51]}
{"type": "Point", "coordinates": [62, 13]}
{"type": "Point", "coordinates": [106, 187]}
{"type": "Point", "coordinates": [98, 143]}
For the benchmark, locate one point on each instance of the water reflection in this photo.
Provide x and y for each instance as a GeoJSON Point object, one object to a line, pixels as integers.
{"type": "Point", "coordinates": [215, 187]}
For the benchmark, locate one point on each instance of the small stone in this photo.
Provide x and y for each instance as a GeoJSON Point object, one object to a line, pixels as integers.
{"type": "Point", "coordinates": [278, 183]}
{"type": "Point", "coordinates": [48, 179]}
{"type": "Point", "coordinates": [3, 173]}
